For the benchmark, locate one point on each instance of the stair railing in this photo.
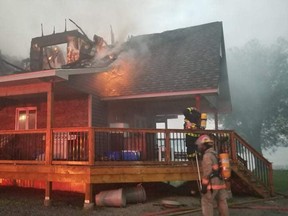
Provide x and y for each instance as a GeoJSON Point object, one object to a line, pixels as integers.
{"type": "Point", "coordinates": [248, 158]}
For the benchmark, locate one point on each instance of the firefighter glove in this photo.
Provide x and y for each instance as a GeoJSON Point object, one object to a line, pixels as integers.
{"type": "Point", "coordinates": [204, 189]}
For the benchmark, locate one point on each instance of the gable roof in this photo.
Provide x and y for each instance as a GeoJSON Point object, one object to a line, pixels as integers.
{"type": "Point", "coordinates": [181, 61]}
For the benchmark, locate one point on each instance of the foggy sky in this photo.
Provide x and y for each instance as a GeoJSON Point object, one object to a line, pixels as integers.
{"type": "Point", "coordinates": [243, 20]}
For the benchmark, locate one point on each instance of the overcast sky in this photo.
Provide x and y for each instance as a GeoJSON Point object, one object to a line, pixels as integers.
{"type": "Point", "coordinates": [243, 20]}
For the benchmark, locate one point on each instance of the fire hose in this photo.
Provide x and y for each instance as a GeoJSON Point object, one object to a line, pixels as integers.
{"type": "Point", "coordinates": [198, 171]}
{"type": "Point", "coordinates": [241, 205]}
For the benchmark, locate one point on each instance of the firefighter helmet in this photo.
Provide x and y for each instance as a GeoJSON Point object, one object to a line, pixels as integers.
{"type": "Point", "coordinates": [204, 139]}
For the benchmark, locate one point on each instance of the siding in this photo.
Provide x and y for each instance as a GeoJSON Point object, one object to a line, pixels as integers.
{"type": "Point", "coordinates": [86, 83]}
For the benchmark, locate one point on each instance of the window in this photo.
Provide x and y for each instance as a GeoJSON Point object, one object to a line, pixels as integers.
{"type": "Point", "coordinates": [26, 118]}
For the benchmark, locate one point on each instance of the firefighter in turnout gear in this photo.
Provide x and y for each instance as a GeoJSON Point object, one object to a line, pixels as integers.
{"type": "Point", "coordinates": [213, 186]}
{"type": "Point", "coordinates": [192, 122]}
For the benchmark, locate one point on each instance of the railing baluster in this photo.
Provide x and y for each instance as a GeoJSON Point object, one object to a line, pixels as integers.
{"type": "Point", "coordinates": [256, 163]}
{"type": "Point", "coordinates": [94, 144]}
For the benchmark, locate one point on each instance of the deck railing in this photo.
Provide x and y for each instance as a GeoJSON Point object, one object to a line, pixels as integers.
{"type": "Point", "coordinates": [101, 144]}
{"type": "Point", "coordinates": [70, 144]}
{"type": "Point", "coordinates": [93, 145]}
{"type": "Point", "coordinates": [22, 145]}
{"type": "Point", "coordinates": [120, 144]}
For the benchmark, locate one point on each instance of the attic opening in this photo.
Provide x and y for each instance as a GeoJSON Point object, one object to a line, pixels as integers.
{"type": "Point", "coordinates": [60, 50]}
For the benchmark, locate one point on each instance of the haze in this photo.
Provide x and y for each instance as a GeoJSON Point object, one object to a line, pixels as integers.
{"type": "Point", "coordinates": [243, 20]}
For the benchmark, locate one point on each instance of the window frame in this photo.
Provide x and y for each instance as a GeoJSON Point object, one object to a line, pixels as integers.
{"type": "Point", "coordinates": [27, 110]}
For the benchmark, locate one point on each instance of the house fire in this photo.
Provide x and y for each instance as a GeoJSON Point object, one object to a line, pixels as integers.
{"type": "Point", "coordinates": [78, 51]}
{"type": "Point", "coordinates": [86, 112]}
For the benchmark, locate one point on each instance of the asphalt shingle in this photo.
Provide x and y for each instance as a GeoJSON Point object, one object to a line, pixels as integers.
{"type": "Point", "coordinates": [172, 61]}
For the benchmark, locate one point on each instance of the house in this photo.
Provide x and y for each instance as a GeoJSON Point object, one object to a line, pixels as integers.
{"type": "Point", "coordinates": [78, 124]}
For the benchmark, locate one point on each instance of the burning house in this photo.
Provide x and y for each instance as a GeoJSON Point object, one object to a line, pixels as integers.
{"type": "Point", "coordinates": [86, 108]}
{"type": "Point", "coordinates": [69, 49]}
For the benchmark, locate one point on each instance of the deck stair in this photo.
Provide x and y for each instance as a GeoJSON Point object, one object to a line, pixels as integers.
{"type": "Point", "coordinates": [251, 172]}
{"type": "Point", "coordinates": [244, 182]}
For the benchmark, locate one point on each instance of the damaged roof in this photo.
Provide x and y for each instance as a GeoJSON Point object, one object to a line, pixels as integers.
{"type": "Point", "coordinates": [180, 61]}
{"type": "Point", "coordinates": [183, 63]}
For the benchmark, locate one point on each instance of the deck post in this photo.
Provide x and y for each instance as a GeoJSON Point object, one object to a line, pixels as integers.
{"type": "Point", "coordinates": [216, 120]}
{"type": "Point", "coordinates": [50, 104]}
{"type": "Point", "coordinates": [144, 146]}
{"type": "Point", "coordinates": [91, 146]}
{"type": "Point", "coordinates": [88, 202]}
{"type": "Point", "coordinates": [198, 102]}
{"type": "Point", "coordinates": [48, 149]}
{"type": "Point", "coordinates": [48, 189]}
{"type": "Point", "coordinates": [167, 147]}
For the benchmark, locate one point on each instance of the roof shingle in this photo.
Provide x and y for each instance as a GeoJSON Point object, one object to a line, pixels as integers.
{"type": "Point", "coordinates": [172, 61]}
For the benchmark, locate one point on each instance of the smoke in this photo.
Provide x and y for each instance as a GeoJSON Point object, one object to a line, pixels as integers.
{"type": "Point", "coordinates": [243, 20]}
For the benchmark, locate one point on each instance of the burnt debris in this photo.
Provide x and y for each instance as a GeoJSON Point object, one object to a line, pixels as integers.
{"type": "Point", "coordinates": [70, 49]}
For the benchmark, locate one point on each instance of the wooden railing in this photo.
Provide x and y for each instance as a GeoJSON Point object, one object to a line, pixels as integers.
{"type": "Point", "coordinates": [118, 144]}
{"type": "Point", "coordinates": [101, 144]}
{"type": "Point", "coordinates": [248, 158]}
{"type": "Point", "coordinates": [88, 146]}
{"type": "Point", "coordinates": [22, 145]}
{"type": "Point", "coordinates": [70, 144]}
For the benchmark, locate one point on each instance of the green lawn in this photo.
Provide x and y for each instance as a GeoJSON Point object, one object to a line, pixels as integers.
{"type": "Point", "coordinates": [280, 178]}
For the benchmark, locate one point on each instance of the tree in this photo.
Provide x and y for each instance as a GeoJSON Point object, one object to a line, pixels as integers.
{"type": "Point", "coordinates": [257, 76]}
{"type": "Point", "coordinates": [275, 127]}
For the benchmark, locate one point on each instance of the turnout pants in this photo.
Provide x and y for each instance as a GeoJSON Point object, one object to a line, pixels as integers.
{"type": "Point", "coordinates": [207, 201]}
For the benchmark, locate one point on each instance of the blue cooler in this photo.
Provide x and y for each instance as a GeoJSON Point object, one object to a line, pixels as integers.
{"type": "Point", "coordinates": [115, 155]}
{"type": "Point", "coordinates": [128, 155]}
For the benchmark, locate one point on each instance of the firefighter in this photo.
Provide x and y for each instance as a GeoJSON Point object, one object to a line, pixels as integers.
{"type": "Point", "coordinates": [192, 121]}
{"type": "Point", "coordinates": [213, 186]}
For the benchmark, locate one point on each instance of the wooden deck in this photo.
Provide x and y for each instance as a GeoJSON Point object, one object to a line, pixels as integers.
{"type": "Point", "coordinates": [113, 155]}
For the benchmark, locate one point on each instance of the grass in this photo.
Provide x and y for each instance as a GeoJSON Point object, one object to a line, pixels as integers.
{"type": "Point", "coordinates": [280, 178]}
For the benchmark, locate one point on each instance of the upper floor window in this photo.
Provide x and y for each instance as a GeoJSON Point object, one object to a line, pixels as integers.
{"type": "Point", "coordinates": [26, 118]}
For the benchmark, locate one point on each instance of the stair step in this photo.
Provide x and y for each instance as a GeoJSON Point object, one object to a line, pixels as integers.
{"type": "Point", "coordinates": [248, 181]}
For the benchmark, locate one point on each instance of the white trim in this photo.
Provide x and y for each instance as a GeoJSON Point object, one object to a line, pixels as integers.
{"type": "Point", "coordinates": [25, 76]}
{"type": "Point", "coordinates": [61, 73]}
{"type": "Point", "coordinates": [165, 94]}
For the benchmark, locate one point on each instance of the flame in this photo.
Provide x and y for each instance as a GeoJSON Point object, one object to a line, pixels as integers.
{"type": "Point", "coordinates": [116, 81]}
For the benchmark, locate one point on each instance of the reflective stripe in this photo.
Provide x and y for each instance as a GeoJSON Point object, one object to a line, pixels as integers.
{"type": "Point", "coordinates": [191, 155]}
{"type": "Point", "coordinates": [193, 134]}
{"type": "Point", "coordinates": [216, 187]}
{"type": "Point", "coordinates": [205, 181]}
{"type": "Point", "coordinates": [189, 125]}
